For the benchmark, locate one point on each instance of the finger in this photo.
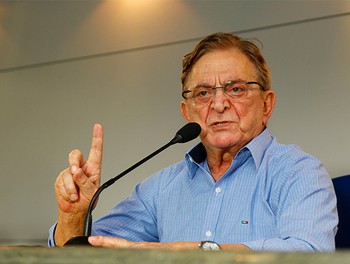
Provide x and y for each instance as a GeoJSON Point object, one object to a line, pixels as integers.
{"type": "Point", "coordinates": [70, 187]}
{"type": "Point", "coordinates": [76, 160]}
{"type": "Point", "coordinates": [86, 186]}
{"type": "Point", "coordinates": [102, 241]}
{"type": "Point", "coordinates": [95, 155]}
{"type": "Point", "coordinates": [61, 184]}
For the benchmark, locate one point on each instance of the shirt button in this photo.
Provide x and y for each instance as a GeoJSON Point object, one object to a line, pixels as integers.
{"type": "Point", "coordinates": [218, 190]}
{"type": "Point", "coordinates": [208, 233]}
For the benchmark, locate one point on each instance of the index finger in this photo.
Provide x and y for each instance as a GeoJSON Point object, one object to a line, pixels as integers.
{"type": "Point", "coordinates": [95, 155]}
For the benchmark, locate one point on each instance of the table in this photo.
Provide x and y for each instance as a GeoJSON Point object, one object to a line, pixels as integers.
{"type": "Point", "coordinates": [77, 255]}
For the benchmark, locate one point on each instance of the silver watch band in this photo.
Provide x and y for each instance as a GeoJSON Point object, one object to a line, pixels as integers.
{"type": "Point", "coordinates": [209, 246]}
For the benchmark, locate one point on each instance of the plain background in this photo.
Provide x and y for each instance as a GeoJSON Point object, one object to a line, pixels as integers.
{"type": "Point", "coordinates": [65, 65]}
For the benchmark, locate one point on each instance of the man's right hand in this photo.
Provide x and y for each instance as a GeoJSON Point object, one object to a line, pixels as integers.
{"type": "Point", "coordinates": [75, 187]}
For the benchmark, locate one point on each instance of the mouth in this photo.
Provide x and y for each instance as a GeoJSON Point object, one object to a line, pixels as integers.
{"type": "Point", "coordinates": [220, 123]}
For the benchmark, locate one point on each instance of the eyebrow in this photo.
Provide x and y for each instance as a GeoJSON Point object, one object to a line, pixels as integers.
{"type": "Point", "coordinates": [203, 85]}
{"type": "Point", "coordinates": [206, 85]}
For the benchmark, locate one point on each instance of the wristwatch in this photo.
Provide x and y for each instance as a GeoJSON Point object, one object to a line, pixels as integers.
{"type": "Point", "coordinates": [209, 246]}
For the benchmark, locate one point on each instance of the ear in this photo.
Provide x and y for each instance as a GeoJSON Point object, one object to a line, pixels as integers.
{"type": "Point", "coordinates": [269, 105]}
{"type": "Point", "coordinates": [184, 110]}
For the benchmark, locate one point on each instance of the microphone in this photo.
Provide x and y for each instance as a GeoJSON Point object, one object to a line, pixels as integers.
{"type": "Point", "coordinates": [187, 133]}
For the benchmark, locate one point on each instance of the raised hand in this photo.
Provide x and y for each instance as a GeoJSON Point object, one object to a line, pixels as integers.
{"type": "Point", "coordinates": [75, 186]}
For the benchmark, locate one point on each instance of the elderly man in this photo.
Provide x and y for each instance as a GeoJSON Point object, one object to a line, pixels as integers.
{"type": "Point", "coordinates": [238, 189]}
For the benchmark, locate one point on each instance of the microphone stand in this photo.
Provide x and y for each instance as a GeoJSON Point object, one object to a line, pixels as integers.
{"type": "Point", "coordinates": [83, 240]}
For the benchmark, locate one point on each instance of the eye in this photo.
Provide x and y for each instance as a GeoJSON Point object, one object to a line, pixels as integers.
{"type": "Point", "coordinates": [203, 92]}
{"type": "Point", "coordinates": [235, 89]}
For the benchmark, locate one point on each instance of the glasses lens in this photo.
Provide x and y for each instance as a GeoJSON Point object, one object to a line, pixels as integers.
{"type": "Point", "coordinates": [234, 89]}
{"type": "Point", "coordinates": [203, 94]}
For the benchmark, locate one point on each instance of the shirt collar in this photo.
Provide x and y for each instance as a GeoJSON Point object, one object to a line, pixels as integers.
{"type": "Point", "coordinates": [256, 148]}
{"type": "Point", "coordinates": [195, 156]}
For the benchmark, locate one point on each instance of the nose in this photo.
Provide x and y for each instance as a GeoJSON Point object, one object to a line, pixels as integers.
{"type": "Point", "coordinates": [220, 101]}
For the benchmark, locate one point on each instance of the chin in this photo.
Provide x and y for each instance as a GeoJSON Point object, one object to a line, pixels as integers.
{"type": "Point", "coordinates": [223, 142]}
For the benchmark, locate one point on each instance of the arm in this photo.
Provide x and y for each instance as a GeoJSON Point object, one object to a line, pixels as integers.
{"type": "Point", "coordinates": [122, 243]}
{"type": "Point", "coordinates": [133, 222]}
{"type": "Point", "coordinates": [305, 209]}
{"type": "Point", "coordinates": [304, 205]}
{"type": "Point", "coordinates": [75, 187]}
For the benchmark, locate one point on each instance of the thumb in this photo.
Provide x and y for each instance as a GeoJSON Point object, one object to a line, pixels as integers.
{"type": "Point", "coordinates": [113, 242]}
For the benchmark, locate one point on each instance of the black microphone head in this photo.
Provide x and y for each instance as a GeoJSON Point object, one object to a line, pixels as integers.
{"type": "Point", "coordinates": [187, 133]}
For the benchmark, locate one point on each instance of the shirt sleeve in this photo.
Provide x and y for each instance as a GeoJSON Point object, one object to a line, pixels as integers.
{"type": "Point", "coordinates": [134, 218]}
{"type": "Point", "coordinates": [306, 211]}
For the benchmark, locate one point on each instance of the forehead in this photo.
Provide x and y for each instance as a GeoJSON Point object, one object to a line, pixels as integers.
{"type": "Point", "coordinates": [219, 66]}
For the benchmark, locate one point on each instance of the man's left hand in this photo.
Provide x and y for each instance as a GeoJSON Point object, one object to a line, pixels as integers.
{"type": "Point", "coordinates": [112, 242]}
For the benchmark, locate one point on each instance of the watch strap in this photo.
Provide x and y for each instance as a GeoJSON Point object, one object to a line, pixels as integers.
{"type": "Point", "coordinates": [209, 246]}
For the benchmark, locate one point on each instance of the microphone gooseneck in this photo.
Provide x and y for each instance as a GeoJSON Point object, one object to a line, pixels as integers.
{"type": "Point", "coordinates": [187, 133]}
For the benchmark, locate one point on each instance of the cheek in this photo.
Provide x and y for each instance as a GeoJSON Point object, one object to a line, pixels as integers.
{"type": "Point", "coordinates": [239, 111]}
{"type": "Point", "coordinates": [197, 114]}
{"type": "Point", "coordinates": [251, 114]}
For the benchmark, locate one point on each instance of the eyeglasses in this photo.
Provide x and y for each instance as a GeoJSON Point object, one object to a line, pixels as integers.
{"type": "Point", "coordinates": [234, 89]}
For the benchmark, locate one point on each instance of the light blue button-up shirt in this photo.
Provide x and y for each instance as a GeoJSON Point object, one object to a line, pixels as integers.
{"type": "Point", "coordinates": [274, 197]}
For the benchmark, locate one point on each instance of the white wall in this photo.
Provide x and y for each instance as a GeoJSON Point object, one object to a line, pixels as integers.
{"type": "Point", "coordinates": [67, 64]}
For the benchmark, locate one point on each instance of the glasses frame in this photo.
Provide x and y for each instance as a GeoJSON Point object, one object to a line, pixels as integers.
{"type": "Point", "coordinates": [185, 92]}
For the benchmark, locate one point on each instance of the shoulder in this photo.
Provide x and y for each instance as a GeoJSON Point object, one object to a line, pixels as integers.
{"type": "Point", "coordinates": [291, 157]}
{"type": "Point", "coordinates": [290, 168]}
{"type": "Point", "coordinates": [289, 165]}
{"type": "Point", "coordinates": [294, 177]}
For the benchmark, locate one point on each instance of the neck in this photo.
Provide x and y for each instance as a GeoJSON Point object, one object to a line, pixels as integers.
{"type": "Point", "coordinates": [219, 162]}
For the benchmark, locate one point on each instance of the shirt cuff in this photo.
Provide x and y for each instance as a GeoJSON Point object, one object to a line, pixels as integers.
{"type": "Point", "coordinates": [51, 239]}
{"type": "Point", "coordinates": [257, 245]}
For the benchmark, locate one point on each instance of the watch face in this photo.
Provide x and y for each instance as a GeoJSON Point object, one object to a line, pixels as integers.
{"type": "Point", "coordinates": [210, 246]}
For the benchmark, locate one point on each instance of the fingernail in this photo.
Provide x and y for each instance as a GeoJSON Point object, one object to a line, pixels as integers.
{"type": "Point", "coordinates": [79, 175]}
{"type": "Point", "coordinates": [92, 239]}
{"type": "Point", "coordinates": [73, 197]}
{"type": "Point", "coordinates": [73, 169]}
